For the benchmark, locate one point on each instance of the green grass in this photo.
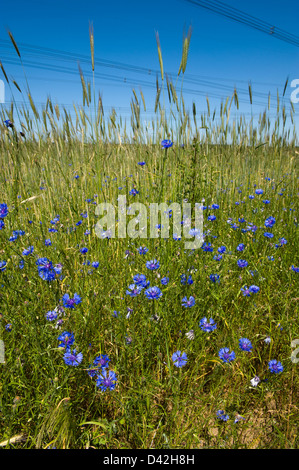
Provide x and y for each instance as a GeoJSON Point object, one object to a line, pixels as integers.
{"type": "Point", "coordinates": [154, 403]}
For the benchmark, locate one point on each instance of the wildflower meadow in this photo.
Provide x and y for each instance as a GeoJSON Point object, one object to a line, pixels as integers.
{"type": "Point", "coordinates": [138, 341]}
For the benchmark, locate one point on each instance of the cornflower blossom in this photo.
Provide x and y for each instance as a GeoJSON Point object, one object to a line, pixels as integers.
{"type": "Point", "coordinates": [206, 325]}
{"type": "Point", "coordinates": [153, 264]}
{"type": "Point", "coordinates": [134, 290]}
{"type": "Point", "coordinates": [221, 415]}
{"type": "Point", "coordinates": [225, 355]}
{"type": "Point", "coordinates": [46, 270]}
{"type": "Point", "coordinates": [275, 366]}
{"type": "Point", "coordinates": [242, 263]}
{"type": "Point", "coordinates": [3, 210]}
{"type": "Point", "coordinates": [71, 358]}
{"type": "Point", "coordinates": [270, 221]}
{"type": "Point", "coordinates": [179, 359]}
{"type": "Point", "coordinates": [66, 339]}
{"type": "Point", "coordinates": [166, 143]}
{"type": "Point", "coordinates": [188, 303]}
{"type": "Point", "coordinates": [107, 380]}
{"type": "Point", "coordinates": [245, 344]}
{"type": "Point", "coordinates": [153, 293]}
{"type": "Point", "coordinates": [71, 302]}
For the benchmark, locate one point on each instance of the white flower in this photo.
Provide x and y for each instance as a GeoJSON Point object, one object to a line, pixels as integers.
{"type": "Point", "coordinates": [255, 381]}
{"type": "Point", "coordinates": [190, 334]}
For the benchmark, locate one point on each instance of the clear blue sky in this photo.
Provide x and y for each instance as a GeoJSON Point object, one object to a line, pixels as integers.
{"type": "Point", "coordinates": [223, 53]}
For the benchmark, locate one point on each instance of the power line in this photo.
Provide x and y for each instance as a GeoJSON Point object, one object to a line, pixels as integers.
{"type": "Point", "coordinates": [239, 16]}
{"type": "Point", "coordinates": [73, 57]}
{"type": "Point", "coordinates": [147, 84]}
{"type": "Point", "coordinates": [128, 81]}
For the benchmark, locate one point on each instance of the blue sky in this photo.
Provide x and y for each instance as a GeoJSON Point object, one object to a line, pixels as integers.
{"type": "Point", "coordinates": [223, 53]}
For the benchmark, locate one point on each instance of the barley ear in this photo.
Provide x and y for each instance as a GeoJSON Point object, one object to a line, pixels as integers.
{"type": "Point", "coordinates": [160, 56]}
{"type": "Point", "coordinates": [3, 71]}
{"type": "Point", "coordinates": [14, 43]}
{"type": "Point", "coordinates": [91, 40]}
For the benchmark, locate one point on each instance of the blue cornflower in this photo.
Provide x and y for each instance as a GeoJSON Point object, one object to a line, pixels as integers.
{"type": "Point", "coordinates": [48, 242]}
{"type": "Point", "coordinates": [66, 339]}
{"type": "Point", "coordinates": [72, 358]}
{"type": "Point", "coordinates": [95, 264]}
{"type": "Point", "coordinates": [153, 293]}
{"type": "Point", "coordinates": [254, 289]}
{"type": "Point", "coordinates": [18, 233]}
{"type": "Point", "coordinates": [21, 264]}
{"type": "Point", "coordinates": [295, 269]}
{"type": "Point", "coordinates": [102, 360]}
{"type": "Point", "coordinates": [275, 366]}
{"type": "Point", "coordinates": [2, 265]}
{"type": "Point", "coordinates": [141, 163]}
{"type": "Point", "coordinates": [268, 235]}
{"type": "Point", "coordinates": [46, 270]}
{"type": "Point", "coordinates": [140, 280]}
{"type": "Point", "coordinates": [8, 123]}
{"type": "Point", "coordinates": [215, 206]}
{"type": "Point", "coordinates": [92, 372]}
{"type": "Point", "coordinates": [133, 192]}
{"type": "Point", "coordinates": [179, 359]}
{"type": "Point", "coordinates": [207, 247]}
{"type": "Point", "coordinates": [225, 355]}
{"type": "Point", "coordinates": [3, 210]}
{"type": "Point", "coordinates": [188, 303]}
{"type": "Point", "coordinates": [8, 327]}
{"type": "Point", "coordinates": [221, 415]}
{"type": "Point", "coordinates": [142, 250]}
{"type": "Point", "coordinates": [84, 250]}
{"type": "Point", "coordinates": [270, 221]}
{"type": "Point", "coordinates": [240, 247]}
{"type": "Point", "coordinates": [51, 315]}
{"type": "Point", "coordinates": [28, 251]}
{"type": "Point", "coordinates": [259, 191]}
{"type": "Point", "coordinates": [153, 264]}
{"type": "Point", "coordinates": [166, 143]}
{"type": "Point", "coordinates": [165, 281]}
{"type": "Point", "coordinates": [206, 325]}
{"type": "Point", "coordinates": [212, 217]}
{"type": "Point", "coordinates": [245, 344]}
{"type": "Point", "coordinates": [107, 380]}
{"type": "Point", "coordinates": [183, 279]}
{"type": "Point", "coordinates": [2, 224]}
{"type": "Point", "coordinates": [246, 291]}
{"type": "Point", "coordinates": [222, 249]}
{"type": "Point", "coordinates": [134, 290]}
{"type": "Point", "coordinates": [242, 263]}
{"type": "Point", "coordinates": [71, 303]}
{"type": "Point", "coordinates": [215, 278]}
